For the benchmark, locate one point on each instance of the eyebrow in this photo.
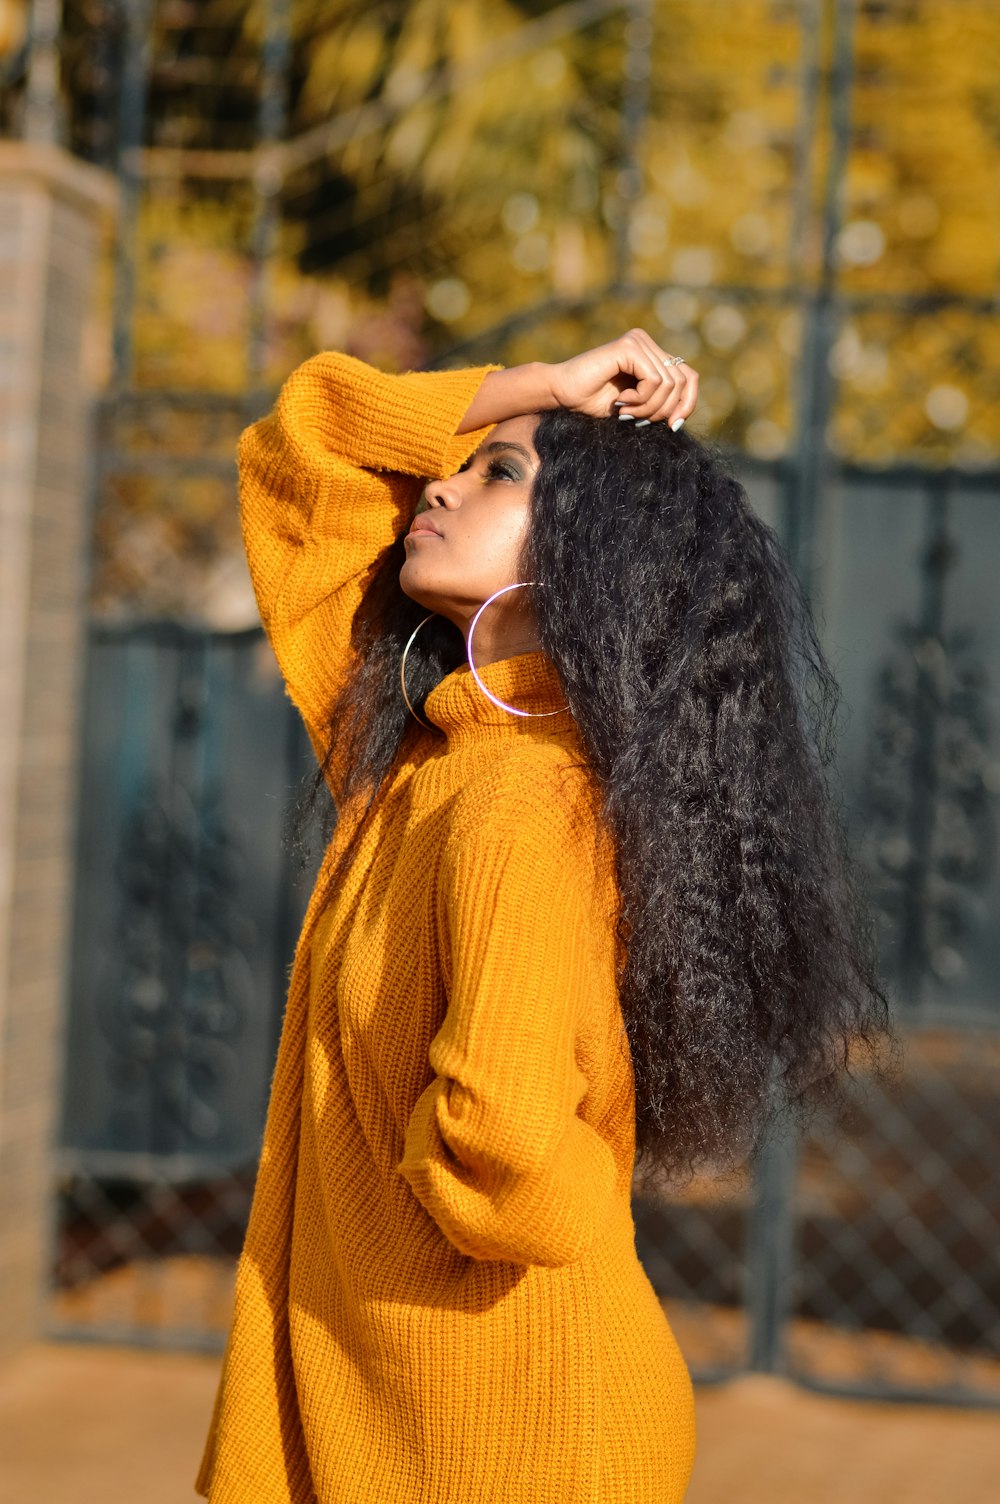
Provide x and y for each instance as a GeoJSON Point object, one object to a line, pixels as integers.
{"type": "Point", "coordinates": [504, 444]}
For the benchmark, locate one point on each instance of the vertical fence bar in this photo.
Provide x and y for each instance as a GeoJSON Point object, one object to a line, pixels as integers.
{"type": "Point", "coordinates": [770, 1252]}
{"type": "Point", "coordinates": [635, 101]}
{"type": "Point", "coordinates": [44, 112]}
{"type": "Point", "coordinates": [810, 68]}
{"type": "Point", "coordinates": [771, 1232]}
{"type": "Point", "coordinates": [131, 127]}
{"type": "Point", "coordinates": [268, 177]}
{"type": "Point", "coordinates": [810, 462]}
{"type": "Point", "coordinates": [925, 792]}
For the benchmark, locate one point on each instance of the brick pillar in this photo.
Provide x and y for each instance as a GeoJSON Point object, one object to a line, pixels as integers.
{"type": "Point", "coordinates": [50, 211]}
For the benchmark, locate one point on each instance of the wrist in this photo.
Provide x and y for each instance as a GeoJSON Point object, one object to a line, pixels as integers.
{"type": "Point", "coordinates": [509, 393]}
{"type": "Point", "coordinates": [538, 384]}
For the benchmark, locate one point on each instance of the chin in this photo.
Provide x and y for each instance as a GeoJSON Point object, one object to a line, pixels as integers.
{"type": "Point", "coordinates": [416, 589]}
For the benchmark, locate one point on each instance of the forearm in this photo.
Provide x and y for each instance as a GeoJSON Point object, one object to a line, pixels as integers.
{"type": "Point", "coordinates": [509, 393]}
{"type": "Point", "coordinates": [327, 481]}
{"type": "Point", "coordinates": [335, 408]}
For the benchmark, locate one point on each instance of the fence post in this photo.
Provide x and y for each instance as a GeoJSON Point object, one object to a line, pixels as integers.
{"type": "Point", "coordinates": [50, 206]}
{"type": "Point", "coordinates": [770, 1252]}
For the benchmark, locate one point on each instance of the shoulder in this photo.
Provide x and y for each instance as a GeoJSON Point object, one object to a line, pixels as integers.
{"type": "Point", "coordinates": [539, 797]}
{"type": "Point", "coordinates": [526, 836]}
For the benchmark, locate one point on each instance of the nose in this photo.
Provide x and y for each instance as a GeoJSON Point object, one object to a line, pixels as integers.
{"type": "Point", "coordinates": [441, 493]}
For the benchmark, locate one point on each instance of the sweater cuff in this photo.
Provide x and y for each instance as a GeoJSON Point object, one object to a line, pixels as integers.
{"type": "Point", "coordinates": [550, 1213]}
{"type": "Point", "coordinates": [337, 407]}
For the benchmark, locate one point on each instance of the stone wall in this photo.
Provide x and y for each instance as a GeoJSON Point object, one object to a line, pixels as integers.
{"type": "Point", "coordinates": [50, 211]}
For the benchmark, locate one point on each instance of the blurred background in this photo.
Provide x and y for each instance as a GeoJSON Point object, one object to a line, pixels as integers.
{"type": "Point", "coordinates": [802, 197]}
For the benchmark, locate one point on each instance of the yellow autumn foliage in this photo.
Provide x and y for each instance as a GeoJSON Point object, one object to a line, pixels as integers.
{"type": "Point", "coordinates": [488, 183]}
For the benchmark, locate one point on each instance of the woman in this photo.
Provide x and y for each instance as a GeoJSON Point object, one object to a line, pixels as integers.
{"type": "Point", "coordinates": [585, 900]}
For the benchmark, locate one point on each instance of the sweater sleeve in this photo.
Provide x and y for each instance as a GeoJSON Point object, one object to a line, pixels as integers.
{"type": "Point", "coordinates": [496, 1147]}
{"type": "Point", "coordinates": [328, 480]}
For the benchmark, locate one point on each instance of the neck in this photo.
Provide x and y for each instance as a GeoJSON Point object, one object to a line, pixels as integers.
{"type": "Point", "coordinates": [491, 647]}
{"type": "Point", "coordinates": [504, 630]}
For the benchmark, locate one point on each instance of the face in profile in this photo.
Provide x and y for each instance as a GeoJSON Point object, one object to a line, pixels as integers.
{"type": "Point", "coordinates": [468, 529]}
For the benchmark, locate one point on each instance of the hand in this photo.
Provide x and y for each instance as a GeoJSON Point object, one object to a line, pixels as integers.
{"type": "Point", "coordinates": [629, 370]}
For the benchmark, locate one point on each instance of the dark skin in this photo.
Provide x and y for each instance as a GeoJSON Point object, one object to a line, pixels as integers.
{"type": "Point", "coordinates": [481, 512]}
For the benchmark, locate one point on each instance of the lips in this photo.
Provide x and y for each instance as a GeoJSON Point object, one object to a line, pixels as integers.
{"type": "Point", "coordinates": [421, 525]}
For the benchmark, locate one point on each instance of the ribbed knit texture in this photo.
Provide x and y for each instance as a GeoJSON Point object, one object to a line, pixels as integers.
{"type": "Point", "coordinates": [439, 1299]}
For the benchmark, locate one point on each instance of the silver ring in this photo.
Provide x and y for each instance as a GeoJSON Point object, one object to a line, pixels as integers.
{"type": "Point", "coordinates": [675, 360]}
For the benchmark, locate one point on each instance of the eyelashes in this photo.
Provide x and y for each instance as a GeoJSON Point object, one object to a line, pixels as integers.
{"type": "Point", "coordinates": [495, 467]}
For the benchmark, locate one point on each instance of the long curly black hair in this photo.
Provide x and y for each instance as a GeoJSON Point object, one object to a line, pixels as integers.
{"type": "Point", "coordinates": [687, 652]}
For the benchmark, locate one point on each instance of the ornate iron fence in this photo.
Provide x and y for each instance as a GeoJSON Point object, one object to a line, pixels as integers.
{"type": "Point", "coordinates": [862, 1260]}
{"type": "Point", "coordinates": [186, 912]}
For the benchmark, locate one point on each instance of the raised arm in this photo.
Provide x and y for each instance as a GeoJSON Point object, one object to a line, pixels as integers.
{"type": "Point", "coordinates": [327, 481]}
{"type": "Point", "coordinates": [333, 475]}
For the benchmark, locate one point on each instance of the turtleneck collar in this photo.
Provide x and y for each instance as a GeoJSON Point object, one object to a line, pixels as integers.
{"type": "Point", "coordinates": [528, 680]}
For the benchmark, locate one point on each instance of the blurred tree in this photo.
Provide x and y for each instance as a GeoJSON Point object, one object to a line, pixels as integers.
{"type": "Point", "coordinates": [453, 167]}
{"type": "Point", "coordinates": [13, 26]}
{"type": "Point", "coordinates": [473, 149]}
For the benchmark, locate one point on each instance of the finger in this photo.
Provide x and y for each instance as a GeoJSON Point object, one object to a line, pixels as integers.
{"type": "Point", "coordinates": [660, 352]}
{"type": "Point", "coordinates": [648, 390]}
{"type": "Point", "coordinates": [670, 396]}
{"type": "Point", "coordinates": [662, 358]}
{"type": "Point", "coordinates": [661, 412]}
{"type": "Point", "coordinates": [688, 397]}
{"type": "Point", "coordinates": [662, 392]}
{"type": "Point", "coordinates": [651, 380]}
{"type": "Point", "coordinates": [683, 395]}
{"type": "Point", "coordinates": [664, 413]}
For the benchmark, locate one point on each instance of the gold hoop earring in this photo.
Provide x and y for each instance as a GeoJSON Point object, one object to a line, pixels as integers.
{"type": "Point", "coordinates": [402, 671]}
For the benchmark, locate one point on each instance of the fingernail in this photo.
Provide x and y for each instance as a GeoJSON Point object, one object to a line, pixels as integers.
{"type": "Point", "coordinates": [678, 423]}
{"type": "Point", "coordinates": [616, 404]}
{"type": "Point", "coordinates": [642, 422]}
{"type": "Point", "coordinates": [626, 418]}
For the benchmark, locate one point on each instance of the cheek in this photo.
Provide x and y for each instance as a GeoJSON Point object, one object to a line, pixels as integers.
{"type": "Point", "coordinates": [480, 554]}
{"type": "Point", "coordinates": [494, 537]}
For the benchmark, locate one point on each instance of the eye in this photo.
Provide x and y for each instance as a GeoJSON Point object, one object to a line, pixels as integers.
{"type": "Point", "coordinates": [497, 467]}
{"type": "Point", "coordinates": [496, 470]}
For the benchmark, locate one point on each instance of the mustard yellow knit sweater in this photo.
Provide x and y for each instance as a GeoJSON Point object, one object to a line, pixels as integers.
{"type": "Point", "coordinates": [439, 1299]}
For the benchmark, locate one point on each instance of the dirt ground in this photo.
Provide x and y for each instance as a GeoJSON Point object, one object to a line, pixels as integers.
{"type": "Point", "coordinates": [101, 1425]}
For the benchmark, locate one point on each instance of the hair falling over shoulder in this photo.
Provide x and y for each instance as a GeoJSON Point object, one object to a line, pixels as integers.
{"type": "Point", "coordinates": [689, 658]}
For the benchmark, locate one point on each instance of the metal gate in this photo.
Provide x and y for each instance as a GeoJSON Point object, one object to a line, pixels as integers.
{"type": "Point", "coordinates": [188, 902]}
{"type": "Point", "coordinates": [863, 1260]}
